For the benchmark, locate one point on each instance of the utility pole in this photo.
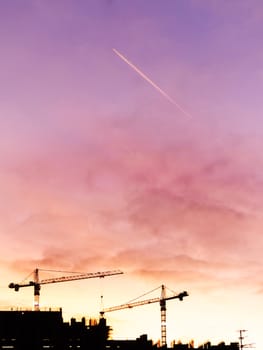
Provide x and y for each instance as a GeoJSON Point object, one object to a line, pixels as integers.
{"type": "Point", "coordinates": [241, 340]}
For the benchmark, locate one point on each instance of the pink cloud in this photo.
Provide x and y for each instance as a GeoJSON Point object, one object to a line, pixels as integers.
{"type": "Point", "coordinates": [81, 207]}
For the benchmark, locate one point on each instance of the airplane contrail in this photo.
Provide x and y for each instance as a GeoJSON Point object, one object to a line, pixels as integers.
{"type": "Point", "coordinates": [144, 76]}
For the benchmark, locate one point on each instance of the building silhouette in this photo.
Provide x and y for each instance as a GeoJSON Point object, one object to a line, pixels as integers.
{"type": "Point", "coordinates": [34, 330]}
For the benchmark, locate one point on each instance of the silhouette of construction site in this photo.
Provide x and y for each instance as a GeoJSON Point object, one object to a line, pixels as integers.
{"type": "Point", "coordinates": [35, 330]}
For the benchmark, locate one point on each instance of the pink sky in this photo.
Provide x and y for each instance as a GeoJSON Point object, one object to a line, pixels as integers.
{"type": "Point", "coordinates": [98, 171]}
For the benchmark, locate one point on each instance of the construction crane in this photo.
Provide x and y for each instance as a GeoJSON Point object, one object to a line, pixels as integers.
{"type": "Point", "coordinates": [36, 283]}
{"type": "Point", "coordinates": [162, 300]}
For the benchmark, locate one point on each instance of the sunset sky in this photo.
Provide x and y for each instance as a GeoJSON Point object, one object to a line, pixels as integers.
{"type": "Point", "coordinates": [99, 171]}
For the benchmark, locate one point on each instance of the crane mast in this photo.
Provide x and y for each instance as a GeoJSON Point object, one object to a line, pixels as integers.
{"type": "Point", "coordinates": [36, 283]}
{"type": "Point", "coordinates": [163, 316]}
{"type": "Point", "coordinates": [162, 301]}
{"type": "Point", "coordinates": [36, 290]}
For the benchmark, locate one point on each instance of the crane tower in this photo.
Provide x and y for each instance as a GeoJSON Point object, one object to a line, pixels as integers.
{"type": "Point", "coordinates": [162, 301]}
{"type": "Point", "coordinates": [36, 283]}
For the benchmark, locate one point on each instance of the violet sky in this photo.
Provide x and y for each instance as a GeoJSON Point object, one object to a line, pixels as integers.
{"type": "Point", "coordinates": [99, 171]}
